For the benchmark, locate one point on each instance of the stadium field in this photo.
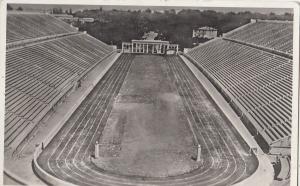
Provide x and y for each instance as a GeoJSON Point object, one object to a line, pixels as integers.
{"type": "Point", "coordinates": [148, 115]}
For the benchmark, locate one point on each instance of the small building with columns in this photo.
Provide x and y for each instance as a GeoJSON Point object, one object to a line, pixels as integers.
{"type": "Point", "coordinates": [149, 47]}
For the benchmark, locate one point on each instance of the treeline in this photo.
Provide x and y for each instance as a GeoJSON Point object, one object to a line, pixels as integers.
{"type": "Point", "coordinates": [9, 8]}
{"type": "Point", "coordinates": [115, 26]}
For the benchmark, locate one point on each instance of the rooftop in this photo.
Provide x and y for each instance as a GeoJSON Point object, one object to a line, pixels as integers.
{"type": "Point", "coordinates": [150, 41]}
{"type": "Point", "coordinates": [206, 28]}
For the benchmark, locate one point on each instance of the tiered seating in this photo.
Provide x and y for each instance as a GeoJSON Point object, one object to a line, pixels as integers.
{"type": "Point", "coordinates": [259, 81]}
{"type": "Point", "coordinates": [37, 74]}
{"type": "Point", "coordinates": [273, 35]}
{"type": "Point", "coordinates": [22, 26]}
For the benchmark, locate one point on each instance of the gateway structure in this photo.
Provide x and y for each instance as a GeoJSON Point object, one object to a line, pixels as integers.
{"type": "Point", "coordinates": [149, 47]}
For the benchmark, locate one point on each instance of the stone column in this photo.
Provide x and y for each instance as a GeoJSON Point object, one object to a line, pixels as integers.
{"type": "Point", "coordinates": [153, 48]}
{"type": "Point", "coordinates": [147, 48]}
{"type": "Point", "coordinates": [97, 150]}
{"type": "Point", "coordinates": [159, 48]}
{"type": "Point", "coordinates": [131, 47]}
{"type": "Point", "coordinates": [135, 47]}
{"type": "Point", "coordinates": [199, 153]}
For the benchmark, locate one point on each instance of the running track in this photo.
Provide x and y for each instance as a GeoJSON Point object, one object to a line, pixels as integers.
{"type": "Point", "coordinates": [224, 153]}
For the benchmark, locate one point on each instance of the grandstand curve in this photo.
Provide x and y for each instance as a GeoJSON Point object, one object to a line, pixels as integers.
{"type": "Point", "coordinates": [267, 34]}
{"type": "Point", "coordinates": [29, 25]}
{"type": "Point", "coordinates": [252, 67]}
{"type": "Point", "coordinates": [48, 69]}
{"type": "Point", "coordinates": [260, 82]}
{"type": "Point", "coordinates": [46, 59]}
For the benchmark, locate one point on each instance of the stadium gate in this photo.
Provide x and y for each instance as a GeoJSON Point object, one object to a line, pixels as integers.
{"type": "Point", "coordinates": [149, 47]}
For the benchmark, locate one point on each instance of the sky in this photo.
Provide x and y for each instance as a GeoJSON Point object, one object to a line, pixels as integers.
{"type": "Point", "coordinates": [31, 7]}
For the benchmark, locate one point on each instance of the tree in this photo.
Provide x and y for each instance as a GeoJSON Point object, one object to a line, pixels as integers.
{"type": "Point", "coordinates": [20, 8]}
{"type": "Point", "coordinates": [172, 11]}
{"type": "Point", "coordinates": [148, 10]}
{"type": "Point", "coordinates": [9, 7]}
{"type": "Point", "coordinates": [57, 11]}
{"type": "Point", "coordinates": [68, 11]}
{"type": "Point", "coordinates": [120, 25]}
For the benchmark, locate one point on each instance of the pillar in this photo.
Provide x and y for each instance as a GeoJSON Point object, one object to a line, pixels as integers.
{"type": "Point", "coordinates": [97, 150]}
{"type": "Point", "coordinates": [199, 153]}
{"type": "Point", "coordinates": [37, 147]}
{"type": "Point", "coordinates": [153, 48]}
{"type": "Point", "coordinates": [160, 48]}
{"type": "Point", "coordinates": [147, 47]}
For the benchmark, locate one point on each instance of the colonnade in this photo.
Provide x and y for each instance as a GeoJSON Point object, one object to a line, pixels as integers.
{"type": "Point", "coordinates": [148, 47]}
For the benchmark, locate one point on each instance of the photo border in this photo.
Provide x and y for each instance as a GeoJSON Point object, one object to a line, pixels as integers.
{"type": "Point", "coordinates": [187, 3]}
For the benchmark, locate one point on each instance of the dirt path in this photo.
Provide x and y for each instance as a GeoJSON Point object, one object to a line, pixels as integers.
{"type": "Point", "coordinates": [147, 133]}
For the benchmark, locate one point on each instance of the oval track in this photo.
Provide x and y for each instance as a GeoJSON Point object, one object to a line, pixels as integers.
{"type": "Point", "coordinates": [224, 159]}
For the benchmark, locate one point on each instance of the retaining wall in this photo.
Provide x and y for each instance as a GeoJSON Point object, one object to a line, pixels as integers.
{"type": "Point", "coordinates": [45, 176]}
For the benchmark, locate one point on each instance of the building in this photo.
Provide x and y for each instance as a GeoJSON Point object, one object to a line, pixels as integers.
{"type": "Point", "coordinates": [71, 20]}
{"type": "Point", "coordinates": [86, 20]}
{"type": "Point", "coordinates": [205, 32]}
{"type": "Point", "coordinates": [149, 47]}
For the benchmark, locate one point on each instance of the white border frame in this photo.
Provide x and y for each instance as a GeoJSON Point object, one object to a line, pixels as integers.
{"type": "Point", "coordinates": [186, 3]}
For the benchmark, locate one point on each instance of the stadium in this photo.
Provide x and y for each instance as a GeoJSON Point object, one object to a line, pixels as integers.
{"type": "Point", "coordinates": [79, 111]}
